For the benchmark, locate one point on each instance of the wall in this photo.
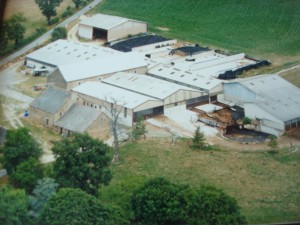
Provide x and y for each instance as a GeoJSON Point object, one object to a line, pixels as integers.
{"type": "Point", "coordinates": [56, 79]}
{"type": "Point", "coordinates": [238, 94]}
{"type": "Point", "coordinates": [181, 95]}
{"type": "Point", "coordinates": [123, 30]}
{"type": "Point", "coordinates": [39, 117]}
{"type": "Point", "coordinates": [85, 31]}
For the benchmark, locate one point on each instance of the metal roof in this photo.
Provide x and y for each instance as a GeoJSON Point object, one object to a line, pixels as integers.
{"type": "Point", "coordinates": [145, 85]}
{"type": "Point", "coordinates": [277, 96]}
{"type": "Point", "coordinates": [110, 93]}
{"type": "Point", "coordinates": [78, 118]}
{"type": "Point", "coordinates": [63, 52]}
{"type": "Point", "coordinates": [52, 100]}
{"type": "Point", "coordinates": [106, 22]}
{"type": "Point", "coordinates": [113, 64]}
{"type": "Point", "coordinates": [193, 79]}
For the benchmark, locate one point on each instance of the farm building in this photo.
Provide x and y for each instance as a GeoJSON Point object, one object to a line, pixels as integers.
{"type": "Point", "coordinates": [79, 119]}
{"type": "Point", "coordinates": [109, 27]}
{"type": "Point", "coordinates": [269, 99]}
{"type": "Point", "coordinates": [174, 96]}
{"type": "Point", "coordinates": [50, 106]}
{"type": "Point", "coordinates": [142, 43]}
{"type": "Point", "coordinates": [71, 75]}
{"type": "Point", "coordinates": [63, 52]}
{"type": "Point", "coordinates": [102, 96]}
{"type": "Point", "coordinates": [211, 86]}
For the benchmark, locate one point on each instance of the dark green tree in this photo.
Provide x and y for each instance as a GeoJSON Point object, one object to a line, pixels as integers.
{"type": "Point", "coordinates": [139, 129]}
{"type": "Point", "coordinates": [59, 33]}
{"type": "Point", "coordinates": [13, 207]}
{"type": "Point", "coordinates": [209, 205]}
{"type": "Point", "coordinates": [48, 8]}
{"type": "Point", "coordinates": [81, 162]}
{"type": "Point", "coordinates": [44, 189]}
{"type": "Point", "coordinates": [27, 174]}
{"type": "Point", "coordinates": [77, 3]}
{"type": "Point", "coordinates": [15, 28]}
{"type": "Point", "coordinates": [76, 207]}
{"type": "Point", "coordinates": [158, 202]}
{"type": "Point", "coordinates": [199, 139]}
{"type": "Point", "coordinates": [18, 147]}
{"type": "Point", "coordinates": [273, 144]}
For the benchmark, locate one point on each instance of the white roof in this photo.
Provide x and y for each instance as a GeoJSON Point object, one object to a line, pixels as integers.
{"type": "Point", "coordinates": [145, 85]}
{"type": "Point", "coordinates": [63, 52]}
{"type": "Point", "coordinates": [280, 98]}
{"type": "Point", "coordinates": [92, 68]}
{"type": "Point", "coordinates": [105, 22]}
{"type": "Point", "coordinates": [108, 92]}
{"type": "Point", "coordinates": [192, 79]}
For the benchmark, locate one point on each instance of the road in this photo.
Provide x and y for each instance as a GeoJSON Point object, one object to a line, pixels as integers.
{"type": "Point", "coordinates": [47, 35]}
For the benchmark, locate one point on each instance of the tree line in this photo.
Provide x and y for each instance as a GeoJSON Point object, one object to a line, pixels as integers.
{"type": "Point", "coordinates": [67, 191]}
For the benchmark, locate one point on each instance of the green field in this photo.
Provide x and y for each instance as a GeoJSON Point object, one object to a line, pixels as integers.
{"type": "Point", "coordinates": [266, 186]}
{"type": "Point", "coordinates": [260, 28]}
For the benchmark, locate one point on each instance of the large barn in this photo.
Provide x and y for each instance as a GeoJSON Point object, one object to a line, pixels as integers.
{"type": "Point", "coordinates": [109, 27]}
{"type": "Point", "coordinates": [269, 99]}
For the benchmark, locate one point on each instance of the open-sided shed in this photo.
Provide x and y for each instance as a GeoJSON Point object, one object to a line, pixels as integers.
{"type": "Point", "coordinates": [109, 27]}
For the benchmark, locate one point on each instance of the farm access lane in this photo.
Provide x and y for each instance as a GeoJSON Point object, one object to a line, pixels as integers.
{"type": "Point", "coordinates": [47, 35]}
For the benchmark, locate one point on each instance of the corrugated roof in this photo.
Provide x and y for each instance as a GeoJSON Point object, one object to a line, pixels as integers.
{"type": "Point", "coordinates": [63, 52]}
{"type": "Point", "coordinates": [280, 98]}
{"type": "Point", "coordinates": [113, 64]}
{"type": "Point", "coordinates": [110, 93]}
{"type": "Point", "coordinates": [192, 79]}
{"type": "Point", "coordinates": [51, 100]}
{"type": "Point", "coordinates": [105, 22]}
{"type": "Point", "coordinates": [78, 118]}
{"type": "Point", "coordinates": [145, 85]}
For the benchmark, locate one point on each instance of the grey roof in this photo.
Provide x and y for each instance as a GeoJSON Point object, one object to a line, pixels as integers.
{"type": "Point", "coordinates": [78, 118]}
{"type": "Point", "coordinates": [106, 22]}
{"type": "Point", "coordinates": [279, 97]}
{"type": "Point", "coordinates": [51, 100]}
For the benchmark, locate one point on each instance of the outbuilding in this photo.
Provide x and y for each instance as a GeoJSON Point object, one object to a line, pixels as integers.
{"type": "Point", "coordinates": [109, 27]}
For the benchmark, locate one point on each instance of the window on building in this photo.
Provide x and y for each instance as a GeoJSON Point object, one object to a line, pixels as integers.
{"type": "Point", "coordinates": [125, 112]}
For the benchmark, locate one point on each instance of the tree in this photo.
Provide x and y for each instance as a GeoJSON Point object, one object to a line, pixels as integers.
{"type": "Point", "coordinates": [273, 144]}
{"type": "Point", "coordinates": [77, 3]}
{"type": "Point", "coordinates": [59, 33]}
{"type": "Point", "coordinates": [48, 8]}
{"type": "Point", "coordinates": [81, 162]}
{"type": "Point", "coordinates": [209, 205]}
{"type": "Point", "coordinates": [18, 147]}
{"type": "Point", "coordinates": [15, 28]}
{"type": "Point", "coordinates": [74, 206]}
{"type": "Point", "coordinates": [44, 189]}
{"type": "Point", "coordinates": [158, 202]}
{"type": "Point", "coordinates": [27, 174]}
{"type": "Point", "coordinates": [13, 207]}
{"type": "Point", "coordinates": [139, 129]}
{"type": "Point", "coordinates": [198, 139]}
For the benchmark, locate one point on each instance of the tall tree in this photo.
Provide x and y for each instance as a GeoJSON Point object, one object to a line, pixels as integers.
{"type": "Point", "coordinates": [77, 3]}
{"type": "Point", "coordinates": [13, 207]}
{"type": "Point", "coordinates": [44, 189]}
{"type": "Point", "coordinates": [18, 147]}
{"type": "Point", "coordinates": [199, 139]}
{"type": "Point", "coordinates": [27, 174]}
{"type": "Point", "coordinates": [48, 8]}
{"type": "Point", "coordinates": [15, 28]}
{"type": "Point", "coordinates": [81, 162]}
{"type": "Point", "coordinates": [139, 129]}
{"type": "Point", "coordinates": [74, 206]}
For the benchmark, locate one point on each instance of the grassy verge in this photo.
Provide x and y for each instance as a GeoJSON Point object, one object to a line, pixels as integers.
{"type": "Point", "coordinates": [293, 76]}
{"type": "Point", "coordinates": [265, 186]}
{"type": "Point", "coordinates": [249, 27]}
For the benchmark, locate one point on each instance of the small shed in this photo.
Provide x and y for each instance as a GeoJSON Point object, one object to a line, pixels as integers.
{"type": "Point", "coordinates": [109, 27]}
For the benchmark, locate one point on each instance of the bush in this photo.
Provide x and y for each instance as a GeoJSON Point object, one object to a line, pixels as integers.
{"type": "Point", "coordinates": [59, 33]}
{"type": "Point", "coordinates": [54, 21]}
{"type": "Point", "coordinates": [67, 12]}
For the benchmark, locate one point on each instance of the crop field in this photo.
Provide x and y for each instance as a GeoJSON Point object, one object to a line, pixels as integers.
{"type": "Point", "coordinates": [266, 186]}
{"type": "Point", "coordinates": [261, 28]}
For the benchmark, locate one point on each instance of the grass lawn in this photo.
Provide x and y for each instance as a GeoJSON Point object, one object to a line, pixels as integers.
{"type": "Point", "coordinates": [266, 186]}
{"type": "Point", "coordinates": [261, 28]}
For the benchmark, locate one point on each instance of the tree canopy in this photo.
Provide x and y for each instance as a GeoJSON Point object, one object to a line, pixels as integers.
{"type": "Point", "coordinates": [59, 33]}
{"type": "Point", "coordinates": [199, 139]}
{"type": "Point", "coordinates": [81, 162]}
{"type": "Point", "coordinates": [75, 207]}
{"type": "Point", "coordinates": [13, 207]}
{"type": "Point", "coordinates": [18, 147]}
{"type": "Point", "coordinates": [14, 27]}
{"type": "Point", "coordinates": [77, 3]}
{"type": "Point", "coordinates": [48, 8]}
